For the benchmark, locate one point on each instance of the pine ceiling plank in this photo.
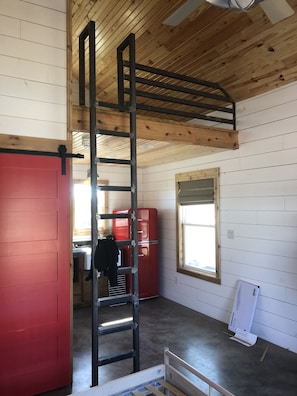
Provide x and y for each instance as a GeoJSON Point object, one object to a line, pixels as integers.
{"type": "Point", "coordinates": [139, 24]}
{"type": "Point", "coordinates": [140, 18]}
{"type": "Point", "coordinates": [206, 45]}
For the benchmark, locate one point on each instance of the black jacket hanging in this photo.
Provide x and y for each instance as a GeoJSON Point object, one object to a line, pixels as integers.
{"type": "Point", "coordinates": [106, 258]}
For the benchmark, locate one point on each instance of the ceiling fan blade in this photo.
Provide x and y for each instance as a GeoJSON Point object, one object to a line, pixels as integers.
{"type": "Point", "coordinates": [276, 10]}
{"type": "Point", "coordinates": [243, 5]}
{"type": "Point", "coordinates": [182, 12]}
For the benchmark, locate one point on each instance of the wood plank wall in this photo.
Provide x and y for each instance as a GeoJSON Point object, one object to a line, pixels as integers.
{"type": "Point", "coordinates": [259, 204]}
{"type": "Point", "coordinates": [33, 66]}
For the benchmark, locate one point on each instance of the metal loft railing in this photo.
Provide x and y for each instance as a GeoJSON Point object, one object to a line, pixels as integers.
{"type": "Point", "coordinates": [178, 96]}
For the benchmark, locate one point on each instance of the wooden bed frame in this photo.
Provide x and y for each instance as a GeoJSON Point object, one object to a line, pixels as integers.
{"type": "Point", "coordinates": [170, 378]}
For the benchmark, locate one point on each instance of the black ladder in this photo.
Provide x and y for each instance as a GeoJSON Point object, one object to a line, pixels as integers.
{"type": "Point", "coordinates": [128, 46]}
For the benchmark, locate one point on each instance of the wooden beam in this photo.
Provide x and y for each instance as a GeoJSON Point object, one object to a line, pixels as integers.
{"type": "Point", "coordinates": [157, 129]}
{"type": "Point", "coordinates": [31, 143]}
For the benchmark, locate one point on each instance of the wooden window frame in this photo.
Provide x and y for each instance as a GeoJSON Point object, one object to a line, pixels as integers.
{"type": "Point", "coordinates": [211, 276]}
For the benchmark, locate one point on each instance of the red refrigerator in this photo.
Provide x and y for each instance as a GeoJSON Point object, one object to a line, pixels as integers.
{"type": "Point", "coordinates": [148, 274]}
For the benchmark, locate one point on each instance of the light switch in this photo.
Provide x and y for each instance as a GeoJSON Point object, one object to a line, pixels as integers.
{"type": "Point", "coordinates": [230, 234]}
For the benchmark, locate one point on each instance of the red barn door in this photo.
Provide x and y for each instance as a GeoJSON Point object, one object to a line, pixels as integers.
{"type": "Point", "coordinates": [34, 275]}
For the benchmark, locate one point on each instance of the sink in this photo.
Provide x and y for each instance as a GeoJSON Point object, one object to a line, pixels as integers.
{"type": "Point", "coordinates": [87, 251]}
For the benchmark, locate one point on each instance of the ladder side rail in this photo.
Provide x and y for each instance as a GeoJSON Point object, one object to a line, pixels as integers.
{"type": "Point", "coordinates": [120, 79]}
{"type": "Point", "coordinates": [82, 72]}
{"type": "Point", "coordinates": [89, 32]}
{"type": "Point", "coordinates": [129, 44]}
{"type": "Point", "coordinates": [234, 115]}
{"type": "Point", "coordinates": [94, 226]}
{"type": "Point", "coordinates": [120, 70]}
{"type": "Point", "coordinates": [134, 224]}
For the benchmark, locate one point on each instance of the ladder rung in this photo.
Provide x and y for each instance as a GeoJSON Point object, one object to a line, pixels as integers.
{"type": "Point", "coordinates": [107, 104]}
{"type": "Point", "coordinates": [113, 133]}
{"type": "Point", "coordinates": [113, 161]}
{"type": "Point", "coordinates": [122, 298]}
{"type": "Point", "coordinates": [114, 188]}
{"type": "Point", "coordinates": [124, 243]}
{"type": "Point", "coordinates": [115, 358]}
{"type": "Point", "coordinates": [124, 270]}
{"type": "Point", "coordinates": [107, 216]}
{"type": "Point", "coordinates": [115, 328]}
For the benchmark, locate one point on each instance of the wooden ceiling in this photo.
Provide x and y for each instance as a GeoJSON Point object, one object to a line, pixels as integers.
{"type": "Point", "coordinates": [243, 52]}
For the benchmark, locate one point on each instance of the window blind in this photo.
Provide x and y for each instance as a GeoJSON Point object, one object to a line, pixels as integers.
{"type": "Point", "coordinates": [196, 192]}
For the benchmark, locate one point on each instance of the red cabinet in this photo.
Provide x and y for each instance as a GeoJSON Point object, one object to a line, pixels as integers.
{"type": "Point", "coordinates": [148, 274]}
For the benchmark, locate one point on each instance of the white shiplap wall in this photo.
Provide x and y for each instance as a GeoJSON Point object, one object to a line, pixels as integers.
{"type": "Point", "coordinates": [258, 189]}
{"type": "Point", "coordinates": [33, 68]}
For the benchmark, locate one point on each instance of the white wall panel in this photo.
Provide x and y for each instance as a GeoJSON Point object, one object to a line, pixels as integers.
{"type": "Point", "coordinates": [33, 75]}
{"type": "Point", "coordinates": [34, 128]}
{"type": "Point", "coordinates": [251, 189]}
{"type": "Point", "coordinates": [258, 133]}
{"type": "Point", "coordinates": [261, 146]}
{"type": "Point", "coordinates": [268, 100]}
{"type": "Point", "coordinates": [43, 35]}
{"type": "Point", "coordinates": [10, 26]}
{"type": "Point", "coordinates": [277, 307]}
{"type": "Point", "coordinates": [22, 108]}
{"type": "Point", "coordinates": [261, 231]}
{"type": "Point", "coordinates": [284, 111]}
{"type": "Point", "coordinates": [263, 260]}
{"type": "Point", "coordinates": [274, 158]}
{"type": "Point", "coordinates": [32, 52]}
{"type": "Point", "coordinates": [253, 203]}
{"type": "Point", "coordinates": [291, 203]}
{"type": "Point", "coordinates": [32, 90]}
{"type": "Point", "coordinates": [258, 202]}
{"type": "Point", "coordinates": [259, 175]}
{"type": "Point", "coordinates": [290, 140]}
{"type": "Point", "coordinates": [231, 217]}
{"type": "Point", "coordinates": [36, 13]}
{"type": "Point", "coordinates": [32, 71]}
{"type": "Point", "coordinates": [291, 295]}
{"type": "Point", "coordinates": [278, 218]}
{"type": "Point", "coordinates": [57, 5]}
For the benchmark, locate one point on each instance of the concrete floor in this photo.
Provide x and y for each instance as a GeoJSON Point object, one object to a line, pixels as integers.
{"type": "Point", "coordinates": [263, 369]}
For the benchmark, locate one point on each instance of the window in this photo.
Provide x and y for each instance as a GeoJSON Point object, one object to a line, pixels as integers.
{"type": "Point", "coordinates": [82, 208]}
{"type": "Point", "coordinates": [197, 198]}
